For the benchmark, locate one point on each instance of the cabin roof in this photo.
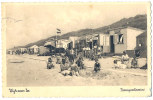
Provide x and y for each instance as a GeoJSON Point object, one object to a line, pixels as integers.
{"type": "Point", "coordinates": [144, 34]}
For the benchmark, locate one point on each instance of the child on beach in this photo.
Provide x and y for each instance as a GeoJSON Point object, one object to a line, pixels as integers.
{"type": "Point", "coordinates": [134, 62]}
{"type": "Point", "coordinates": [97, 66]}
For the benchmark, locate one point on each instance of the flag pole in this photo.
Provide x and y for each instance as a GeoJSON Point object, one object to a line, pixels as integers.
{"type": "Point", "coordinates": [55, 43]}
{"type": "Point", "coordinates": [58, 31]}
{"type": "Point", "coordinates": [56, 40]}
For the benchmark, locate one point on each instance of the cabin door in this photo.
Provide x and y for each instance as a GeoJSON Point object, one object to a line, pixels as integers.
{"type": "Point", "coordinates": [111, 44]}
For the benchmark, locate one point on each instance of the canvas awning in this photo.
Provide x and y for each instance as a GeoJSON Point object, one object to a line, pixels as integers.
{"type": "Point", "coordinates": [89, 38]}
{"type": "Point", "coordinates": [51, 43]}
{"type": "Point", "coordinates": [34, 46]}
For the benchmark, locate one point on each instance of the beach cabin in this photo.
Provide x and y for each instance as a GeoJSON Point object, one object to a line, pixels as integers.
{"type": "Point", "coordinates": [34, 49]}
{"type": "Point", "coordinates": [63, 43]}
{"type": "Point", "coordinates": [104, 42]}
{"type": "Point", "coordinates": [23, 50]}
{"type": "Point", "coordinates": [141, 46]}
{"type": "Point", "coordinates": [94, 42]}
{"type": "Point", "coordinates": [73, 39]}
{"type": "Point", "coordinates": [124, 39]}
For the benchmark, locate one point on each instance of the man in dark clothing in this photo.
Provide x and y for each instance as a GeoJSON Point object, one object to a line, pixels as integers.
{"type": "Point", "coordinates": [71, 58]}
{"type": "Point", "coordinates": [63, 60]}
{"type": "Point", "coordinates": [97, 66]}
{"type": "Point", "coordinates": [50, 64]}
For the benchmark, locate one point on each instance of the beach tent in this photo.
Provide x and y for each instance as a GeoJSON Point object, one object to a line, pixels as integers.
{"type": "Point", "coordinates": [43, 51]}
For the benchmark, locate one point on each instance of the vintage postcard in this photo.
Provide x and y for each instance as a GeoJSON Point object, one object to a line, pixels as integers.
{"type": "Point", "coordinates": [76, 49]}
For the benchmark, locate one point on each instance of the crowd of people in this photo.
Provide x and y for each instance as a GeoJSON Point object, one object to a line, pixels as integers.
{"type": "Point", "coordinates": [71, 64]}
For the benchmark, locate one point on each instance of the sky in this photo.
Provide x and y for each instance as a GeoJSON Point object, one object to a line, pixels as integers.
{"type": "Point", "coordinates": [28, 23]}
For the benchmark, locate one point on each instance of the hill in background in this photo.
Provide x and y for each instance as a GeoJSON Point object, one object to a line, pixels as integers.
{"type": "Point", "coordinates": [139, 21]}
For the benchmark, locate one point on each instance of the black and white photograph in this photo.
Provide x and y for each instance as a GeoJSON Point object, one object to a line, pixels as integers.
{"type": "Point", "coordinates": [76, 44]}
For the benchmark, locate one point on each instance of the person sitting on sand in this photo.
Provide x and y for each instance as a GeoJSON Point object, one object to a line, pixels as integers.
{"type": "Point", "coordinates": [63, 67]}
{"type": "Point", "coordinates": [97, 66]}
{"type": "Point", "coordinates": [50, 64]}
{"type": "Point", "coordinates": [58, 60]}
{"type": "Point", "coordinates": [125, 58]}
{"type": "Point", "coordinates": [118, 64]}
{"type": "Point", "coordinates": [74, 70]}
{"type": "Point", "coordinates": [134, 62]}
{"type": "Point", "coordinates": [64, 70]}
{"type": "Point", "coordinates": [80, 64]}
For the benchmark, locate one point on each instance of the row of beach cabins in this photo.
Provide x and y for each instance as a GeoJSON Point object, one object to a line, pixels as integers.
{"type": "Point", "coordinates": [116, 41]}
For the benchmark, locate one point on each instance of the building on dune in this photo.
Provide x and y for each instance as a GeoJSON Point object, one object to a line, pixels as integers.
{"type": "Point", "coordinates": [23, 50]}
{"type": "Point", "coordinates": [33, 49]}
{"type": "Point", "coordinates": [124, 39]}
{"type": "Point", "coordinates": [115, 41]}
{"type": "Point", "coordinates": [141, 46]}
